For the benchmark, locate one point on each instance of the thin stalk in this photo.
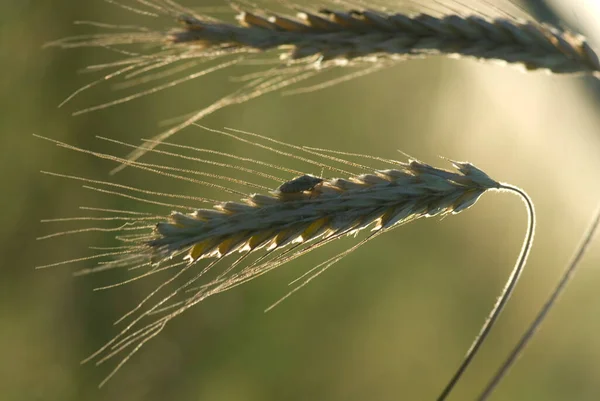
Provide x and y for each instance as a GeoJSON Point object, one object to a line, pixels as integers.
{"type": "Point", "coordinates": [504, 296]}
{"type": "Point", "coordinates": [537, 322]}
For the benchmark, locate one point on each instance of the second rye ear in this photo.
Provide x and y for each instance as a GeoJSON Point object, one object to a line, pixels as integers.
{"type": "Point", "coordinates": [305, 44]}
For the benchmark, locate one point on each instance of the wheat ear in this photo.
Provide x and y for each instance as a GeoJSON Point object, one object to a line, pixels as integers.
{"type": "Point", "coordinates": [298, 216]}
{"type": "Point", "coordinates": [365, 35]}
{"type": "Point", "coordinates": [333, 206]}
{"type": "Point", "coordinates": [314, 41]}
{"type": "Point", "coordinates": [347, 36]}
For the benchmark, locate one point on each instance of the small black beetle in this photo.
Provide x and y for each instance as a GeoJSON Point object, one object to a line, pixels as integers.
{"type": "Point", "coordinates": [300, 184]}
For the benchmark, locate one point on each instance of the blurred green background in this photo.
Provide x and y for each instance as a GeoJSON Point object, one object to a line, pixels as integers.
{"type": "Point", "coordinates": [391, 321]}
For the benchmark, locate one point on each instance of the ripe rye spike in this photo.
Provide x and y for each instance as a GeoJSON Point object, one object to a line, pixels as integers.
{"type": "Point", "coordinates": [361, 34]}
{"type": "Point", "coordinates": [312, 42]}
{"type": "Point", "coordinates": [385, 198]}
{"type": "Point", "coordinates": [309, 213]}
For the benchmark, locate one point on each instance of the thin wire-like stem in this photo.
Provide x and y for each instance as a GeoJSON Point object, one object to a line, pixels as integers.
{"type": "Point", "coordinates": [537, 322]}
{"type": "Point", "coordinates": [504, 296]}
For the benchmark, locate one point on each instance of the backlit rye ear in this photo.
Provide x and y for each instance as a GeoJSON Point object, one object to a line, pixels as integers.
{"type": "Point", "coordinates": [253, 233]}
{"type": "Point", "coordinates": [360, 41]}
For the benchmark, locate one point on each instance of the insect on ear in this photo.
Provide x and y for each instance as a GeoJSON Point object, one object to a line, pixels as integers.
{"type": "Point", "coordinates": [303, 183]}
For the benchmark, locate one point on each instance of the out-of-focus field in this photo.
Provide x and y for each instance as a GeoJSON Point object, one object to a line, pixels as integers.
{"type": "Point", "coordinates": [391, 321]}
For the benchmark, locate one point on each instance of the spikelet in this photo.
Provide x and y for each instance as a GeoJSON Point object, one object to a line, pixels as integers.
{"type": "Point", "coordinates": [280, 225]}
{"type": "Point", "coordinates": [314, 41]}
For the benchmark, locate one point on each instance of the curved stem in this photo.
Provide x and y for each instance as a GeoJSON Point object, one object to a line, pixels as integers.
{"type": "Point", "coordinates": [504, 296]}
{"type": "Point", "coordinates": [560, 287]}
